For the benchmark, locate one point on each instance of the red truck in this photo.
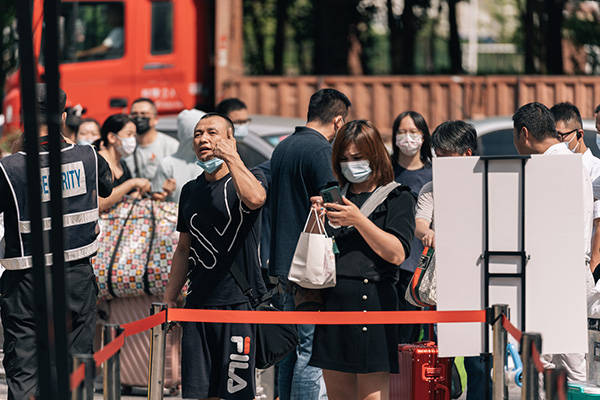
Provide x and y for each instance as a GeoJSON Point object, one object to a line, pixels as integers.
{"type": "Point", "coordinates": [115, 51]}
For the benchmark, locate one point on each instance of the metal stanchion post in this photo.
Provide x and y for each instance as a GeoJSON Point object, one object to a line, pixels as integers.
{"type": "Point", "coordinates": [499, 388]}
{"type": "Point", "coordinates": [531, 380]}
{"type": "Point", "coordinates": [112, 366]}
{"type": "Point", "coordinates": [85, 391]}
{"type": "Point", "coordinates": [551, 378]}
{"type": "Point", "coordinates": [156, 369]}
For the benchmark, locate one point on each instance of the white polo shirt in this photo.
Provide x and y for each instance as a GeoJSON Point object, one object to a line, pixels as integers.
{"type": "Point", "coordinates": [592, 293]}
{"type": "Point", "coordinates": [592, 164]}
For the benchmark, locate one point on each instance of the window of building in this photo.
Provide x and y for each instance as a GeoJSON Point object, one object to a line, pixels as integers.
{"type": "Point", "coordinates": [162, 27]}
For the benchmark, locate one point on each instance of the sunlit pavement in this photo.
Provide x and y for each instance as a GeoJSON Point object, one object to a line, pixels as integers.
{"type": "Point", "coordinates": [514, 393]}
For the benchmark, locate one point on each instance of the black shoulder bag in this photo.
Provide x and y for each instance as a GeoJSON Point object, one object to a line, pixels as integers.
{"type": "Point", "coordinates": [273, 341]}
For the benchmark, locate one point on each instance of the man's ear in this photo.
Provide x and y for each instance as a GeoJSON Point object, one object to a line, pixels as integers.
{"type": "Point", "coordinates": [468, 153]}
{"type": "Point", "coordinates": [525, 133]}
{"type": "Point", "coordinates": [63, 117]}
{"type": "Point", "coordinates": [229, 132]}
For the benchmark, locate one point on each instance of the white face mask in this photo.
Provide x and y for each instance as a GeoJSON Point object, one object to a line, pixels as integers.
{"type": "Point", "coordinates": [240, 131]}
{"type": "Point", "coordinates": [409, 143]}
{"type": "Point", "coordinates": [84, 142]}
{"type": "Point", "coordinates": [574, 149]}
{"type": "Point", "coordinates": [356, 171]}
{"type": "Point", "coordinates": [127, 147]}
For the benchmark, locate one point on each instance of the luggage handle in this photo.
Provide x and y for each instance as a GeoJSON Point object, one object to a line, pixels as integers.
{"type": "Point", "coordinates": [442, 388]}
{"type": "Point", "coordinates": [430, 373]}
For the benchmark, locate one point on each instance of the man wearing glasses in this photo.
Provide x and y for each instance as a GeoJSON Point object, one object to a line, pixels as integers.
{"type": "Point", "coordinates": [570, 131]}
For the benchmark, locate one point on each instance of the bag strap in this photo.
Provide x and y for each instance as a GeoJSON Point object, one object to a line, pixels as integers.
{"type": "Point", "coordinates": [149, 252]}
{"type": "Point", "coordinates": [113, 256]}
{"type": "Point", "coordinates": [379, 196]}
{"type": "Point", "coordinates": [240, 279]}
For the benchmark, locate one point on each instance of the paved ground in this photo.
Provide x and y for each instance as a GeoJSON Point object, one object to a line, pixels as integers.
{"type": "Point", "coordinates": [514, 393]}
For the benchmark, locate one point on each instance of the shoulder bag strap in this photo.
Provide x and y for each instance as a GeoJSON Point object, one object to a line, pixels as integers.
{"type": "Point", "coordinates": [240, 279]}
{"type": "Point", "coordinates": [378, 197]}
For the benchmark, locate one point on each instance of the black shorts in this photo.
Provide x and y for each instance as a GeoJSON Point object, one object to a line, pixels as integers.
{"type": "Point", "coordinates": [218, 359]}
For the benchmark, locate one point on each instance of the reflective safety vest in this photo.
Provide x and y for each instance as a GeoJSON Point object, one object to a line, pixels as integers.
{"type": "Point", "coordinates": [80, 205]}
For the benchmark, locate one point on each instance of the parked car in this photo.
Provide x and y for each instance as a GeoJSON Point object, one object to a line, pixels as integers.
{"type": "Point", "coordinates": [495, 136]}
{"type": "Point", "coordinates": [265, 132]}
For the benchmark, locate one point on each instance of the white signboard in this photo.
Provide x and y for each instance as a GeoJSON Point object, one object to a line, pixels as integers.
{"type": "Point", "coordinates": [555, 281]}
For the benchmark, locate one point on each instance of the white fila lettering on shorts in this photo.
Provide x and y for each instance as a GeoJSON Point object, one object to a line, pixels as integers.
{"type": "Point", "coordinates": [238, 360]}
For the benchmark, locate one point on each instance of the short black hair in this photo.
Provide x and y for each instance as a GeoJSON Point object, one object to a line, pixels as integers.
{"type": "Point", "coordinates": [566, 112]}
{"type": "Point", "coordinates": [455, 137]}
{"type": "Point", "coordinates": [216, 114]}
{"type": "Point", "coordinates": [537, 119]}
{"type": "Point", "coordinates": [41, 94]}
{"type": "Point", "coordinates": [228, 105]}
{"type": "Point", "coordinates": [144, 100]}
{"type": "Point", "coordinates": [597, 109]}
{"type": "Point", "coordinates": [326, 104]}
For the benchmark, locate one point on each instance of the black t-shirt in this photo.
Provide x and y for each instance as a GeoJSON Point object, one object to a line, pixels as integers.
{"type": "Point", "coordinates": [300, 167]}
{"type": "Point", "coordinates": [125, 176]}
{"type": "Point", "coordinates": [222, 229]}
{"type": "Point", "coordinates": [396, 215]}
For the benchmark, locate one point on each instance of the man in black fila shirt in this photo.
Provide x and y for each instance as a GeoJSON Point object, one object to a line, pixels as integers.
{"type": "Point", "coordinates": [85, 176]}
{"type": "Point", "coordinates": [219, 224]}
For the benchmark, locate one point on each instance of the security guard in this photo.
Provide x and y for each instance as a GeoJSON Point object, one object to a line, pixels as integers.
{"type": "Point", "coordinates": [85, 175]}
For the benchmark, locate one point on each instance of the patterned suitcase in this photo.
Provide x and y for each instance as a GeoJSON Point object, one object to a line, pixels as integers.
{"type": "Point", "coordinates": [423, 376]}
{"type": "Point", "coordinates": [136, 352]}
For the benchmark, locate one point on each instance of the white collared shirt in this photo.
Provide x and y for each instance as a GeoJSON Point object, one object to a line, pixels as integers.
{"type": "Point", "coordinates": [592, 292]}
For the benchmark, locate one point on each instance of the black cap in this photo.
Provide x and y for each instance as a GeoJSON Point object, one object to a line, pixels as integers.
{"type": "Point", "coordinates": [41, 98]}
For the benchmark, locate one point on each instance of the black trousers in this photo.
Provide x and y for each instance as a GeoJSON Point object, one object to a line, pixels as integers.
{"type": "Point", "coordinates": [17, 305]}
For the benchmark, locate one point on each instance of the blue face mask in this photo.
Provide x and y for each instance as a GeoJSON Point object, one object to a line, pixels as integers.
{"type": "Point", "coordinates": [598, 140]}
{"type": "Point", "coordinates": [211, 165]}
{"type": "Point", "coordinates": [356, 171]}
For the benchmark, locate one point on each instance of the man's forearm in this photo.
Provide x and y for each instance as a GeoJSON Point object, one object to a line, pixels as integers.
{"type": "Point", "coordinates": [249, 189]}
{"type": "Point", "coordinates": [179, 268]}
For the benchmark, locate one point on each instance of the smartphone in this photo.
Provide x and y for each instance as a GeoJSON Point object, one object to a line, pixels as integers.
{"type": "Point", "coordinates": [332, 195]}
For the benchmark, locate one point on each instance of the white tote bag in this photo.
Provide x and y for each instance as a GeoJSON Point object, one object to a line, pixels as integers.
{"type": "Point", "coordinates": [313, 265]}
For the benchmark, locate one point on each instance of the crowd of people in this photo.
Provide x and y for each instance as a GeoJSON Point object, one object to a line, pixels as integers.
{"type": "Point", "coordinates": [250, 219]}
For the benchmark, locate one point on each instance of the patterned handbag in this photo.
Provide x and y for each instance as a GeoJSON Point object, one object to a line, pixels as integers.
{"type": "Point", "coordinates": [135, 248]}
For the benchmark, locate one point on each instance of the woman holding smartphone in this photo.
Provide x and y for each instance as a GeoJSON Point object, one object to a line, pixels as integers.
{"type": "Point", "coordinates": [357, 360]}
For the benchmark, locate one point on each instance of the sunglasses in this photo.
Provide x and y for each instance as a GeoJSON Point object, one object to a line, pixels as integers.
{"type": "Point", "coordinates": [563, 135]}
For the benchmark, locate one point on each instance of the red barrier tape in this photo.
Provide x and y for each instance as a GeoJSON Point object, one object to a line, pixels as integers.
{"type": "Point", "coordinates": [109, 349]}
{"type": "Point", "coordinates": [133, 328]}
{"type": "Point", "coordinates": [282, 317]}
{"type": "Point", "coordinates": [325, 317]}
{"type": "Point", "coordinates": [77, 376]}
{"type": "Point", "coordinates": [510, 328]}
